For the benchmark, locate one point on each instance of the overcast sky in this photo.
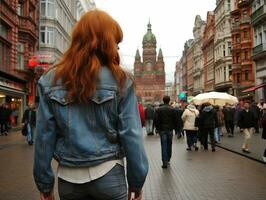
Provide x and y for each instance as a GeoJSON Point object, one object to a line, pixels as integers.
{"type": "Point", "coordinates": [172, 23]}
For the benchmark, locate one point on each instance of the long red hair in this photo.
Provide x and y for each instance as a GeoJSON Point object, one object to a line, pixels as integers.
{"type": "Point", "coordinates": [94, 44]}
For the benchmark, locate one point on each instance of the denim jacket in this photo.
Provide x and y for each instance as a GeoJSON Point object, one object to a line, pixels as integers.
{"type": "Point", "coordinates": [87, 134]}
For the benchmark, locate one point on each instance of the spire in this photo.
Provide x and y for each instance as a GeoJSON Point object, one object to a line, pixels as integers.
{"type": "Point", "coordinates": [160, 54]}
{"type": "Point", "coordinates": [137, 56]}
{"type": "Point", "coordinates": [149, 25]}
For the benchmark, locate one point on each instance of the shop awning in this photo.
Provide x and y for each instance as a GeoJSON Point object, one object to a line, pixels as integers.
{"type": "Point", "coordinates": [251, 89]}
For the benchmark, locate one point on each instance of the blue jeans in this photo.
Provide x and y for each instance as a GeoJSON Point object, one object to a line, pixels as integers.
{"type": "Point", "coordinates": [166, 145]}
{"type": "Point", "coordinates": [217, 134]}
{"type": "Point", "coordinates": [112, 186]}
{"type": "Point", "coordinates": [30, 131]}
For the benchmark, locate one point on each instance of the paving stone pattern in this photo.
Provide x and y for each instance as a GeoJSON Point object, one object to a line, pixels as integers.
{"type": "Point", "coordinates": [202, 175]}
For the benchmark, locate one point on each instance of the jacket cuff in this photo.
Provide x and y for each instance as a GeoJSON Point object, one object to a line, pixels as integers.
{"type": "Point", "coordinates": [44, 187]}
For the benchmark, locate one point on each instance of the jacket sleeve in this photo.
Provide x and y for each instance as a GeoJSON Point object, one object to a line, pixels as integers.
{"type": "Point", "coordinates": [131, 138]}
{"type": "Point", "coordinates": [45, 144]}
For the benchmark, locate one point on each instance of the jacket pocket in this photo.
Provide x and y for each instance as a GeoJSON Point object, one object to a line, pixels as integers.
{"type": "Point", "coordinates": [106, 110]}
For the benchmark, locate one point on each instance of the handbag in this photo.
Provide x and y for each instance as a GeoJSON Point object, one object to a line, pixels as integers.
{"type": "Point", "coordinates": [24, 130]}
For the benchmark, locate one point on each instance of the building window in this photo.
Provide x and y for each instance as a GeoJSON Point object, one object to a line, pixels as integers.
{"type": "Point", "coordinates": [246, 76]}
{"type": "Point", "coordinates": [238, 78]}
{"type": "Point", "coordinates": [228, 5]}
{"type": "Point", "coordinates": [4, 56]}
{"type": "Point", "coordinates": [48, 8]}
{"type": "Point", "coordinates": [20, 9]}
{"type": "Point", "coordinates": [237, 57]}
{"type": "Point", "coordinates": [260, 38]}
{"type": "Point", "coordinates": [246, 35]}
{"type": "Point", "coordinates": [3, 30]}
{"type": "Point", "coordinates": [224, 50]}
{"type": "Point", "coordinates": [20, 64]}
{"type": "Point", "coordinates": [47, 35]}
{"type": "Point", "coordinates": [229, 45]}
{"type": "Point", "coordinates": [246, 55]}
{"type": "Point", "coordinates": [237, 38]}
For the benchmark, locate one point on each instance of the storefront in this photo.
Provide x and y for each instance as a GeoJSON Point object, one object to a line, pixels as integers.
{"type": "Point", "coordinates": [14, 95]}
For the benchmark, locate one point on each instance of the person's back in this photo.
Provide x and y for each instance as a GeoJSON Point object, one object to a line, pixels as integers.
{"type": "Point", "coordinates": [88, 119]}
{"type": "Point", "coordinates": [165, 118]}
{"type": "Point", "coordinates": [149, 112]}
{"type": "Point", "coordinates": [165, 123]}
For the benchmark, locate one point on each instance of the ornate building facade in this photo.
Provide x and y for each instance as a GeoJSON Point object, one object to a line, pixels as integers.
{"type": "Point", "coordinates": [198, 75]}
{"type": "Point", "coordinates": [242, 44]}
{"type": "Point", "coordinates": [223, 46]}
{"type": "Point", "coordinates": [149, 73]}
{"type": "Point", "coordinates": [18, 41]}
{"type": "Point", "coordinates": [258, 20]}
{"type": "Point", "coordinates": [208, 53]}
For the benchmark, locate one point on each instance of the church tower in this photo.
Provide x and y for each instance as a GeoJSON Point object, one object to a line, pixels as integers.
{"type": "Point", "coordinates": [149, 74]}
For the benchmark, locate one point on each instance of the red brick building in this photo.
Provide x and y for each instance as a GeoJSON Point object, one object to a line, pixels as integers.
{"type": "Point", "coordinates": [149, 73]}
{"type": "Point", "coordinates": [18, 42]}
{"type": "Point", "coordinates": [208, 53]}
{"type": "Point", "coordinates": [242, 44]}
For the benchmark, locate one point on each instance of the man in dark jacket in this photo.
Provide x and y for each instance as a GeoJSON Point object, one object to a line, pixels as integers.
{"type": "Point", "coordinates": [256, 112]}
{"type": "Point", "coordinates": [247, 123]}
{"type": "Point", "coordinates": [4, 119]}
{"type": "Point", "coordinates": [149, 116]}
{"type": "Point", "coordinates": [229, 114]}
{"type": "Point", "coordinates": [29, 119]}
{"type": "Point", "coordinates": [208, 122]}
{"type": "Point", "coordinates": [165, 120]}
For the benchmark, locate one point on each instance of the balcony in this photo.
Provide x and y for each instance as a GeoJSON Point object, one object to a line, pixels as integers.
{"type": "Point", "coordinates": [258, 14]}
{"type": "Point", "coordinates": [259, 50]}
{"type": "Point", "coordinates": [26, 24]}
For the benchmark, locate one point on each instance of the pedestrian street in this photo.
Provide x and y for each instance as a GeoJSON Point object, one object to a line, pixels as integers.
{"type": "Point", "coordinates": [201, 175]}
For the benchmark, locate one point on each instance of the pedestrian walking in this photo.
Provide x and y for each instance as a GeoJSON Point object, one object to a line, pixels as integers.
{"type": "Point", "coordinates": [88, 119]}
{"type": "Point", "coordinates": [188, 117]}
{"type": "Point", "coordinates": [256, 113]}
{"type": "Point", "coordinates": [264, 132]}
{"type": "Point", "coordinates": [262, 106]}
{"type": "Point", "coordinates": [141, 114]}
{"type": "Point", "coordinates": [29, 120]}
{"type": "Point", "coordinates": [209, 121]}
{"type": "Point", "coordinates": [15, 115]}
{"type": "Point", "coordinates": [218, 129]}
{"type": "Point", "coordinates": [165, 121]}
{"type": "Point", "coordinates": [229, 114]}
{"type": "Point", "coordinates": [179, 122]}
{"type": "Point", "coordinates": [238, 109]}
{"type": "Point", "coordinates": [149, 116]}
{"type": "Point", "coordinates": [4, 119]}
{"type": "Point", "coordinates": [247, 123]}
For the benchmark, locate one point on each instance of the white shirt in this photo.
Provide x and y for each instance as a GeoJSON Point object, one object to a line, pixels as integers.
{"type": "Point", "coordinates": [86, 174]}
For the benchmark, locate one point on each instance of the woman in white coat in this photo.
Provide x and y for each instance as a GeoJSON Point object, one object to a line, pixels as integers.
{"type": "Point", "coordinates": [188, 117]}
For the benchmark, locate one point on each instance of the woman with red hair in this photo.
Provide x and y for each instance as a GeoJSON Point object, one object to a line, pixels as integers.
{"type": "Point", "coordinates": [88, 119]}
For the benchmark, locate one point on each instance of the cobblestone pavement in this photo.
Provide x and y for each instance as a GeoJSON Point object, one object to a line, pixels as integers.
{"type": "Point", "coordinates": [202, 175]}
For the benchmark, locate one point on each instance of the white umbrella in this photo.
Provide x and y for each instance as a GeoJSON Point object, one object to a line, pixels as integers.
{"type": "Point", "coordinates": [214, 98]}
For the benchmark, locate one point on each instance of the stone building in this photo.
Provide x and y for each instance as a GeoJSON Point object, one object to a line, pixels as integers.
{"type": "Point", "coordinates": [57, 19]}
{"type": "Point", "coordinates": [18, 41]}
{"type": "Point", "coordinates": [242, 46]}
{"type": "Point", "coordinates": [198, 74]}
{"type": "Point", "coordinates": [258, 20]}
{"type": "Point", "coordinates": [190, 66]}
{"type": "Point", "coordinates": [149, 73]}
{"type": "Point", "coordinates": [208, 53]}
{"type": "Point", "coordinates": [223, 46]}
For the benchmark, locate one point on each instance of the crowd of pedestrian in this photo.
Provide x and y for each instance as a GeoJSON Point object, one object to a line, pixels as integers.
{"type": "Point", "coordinates": [204, 124]}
